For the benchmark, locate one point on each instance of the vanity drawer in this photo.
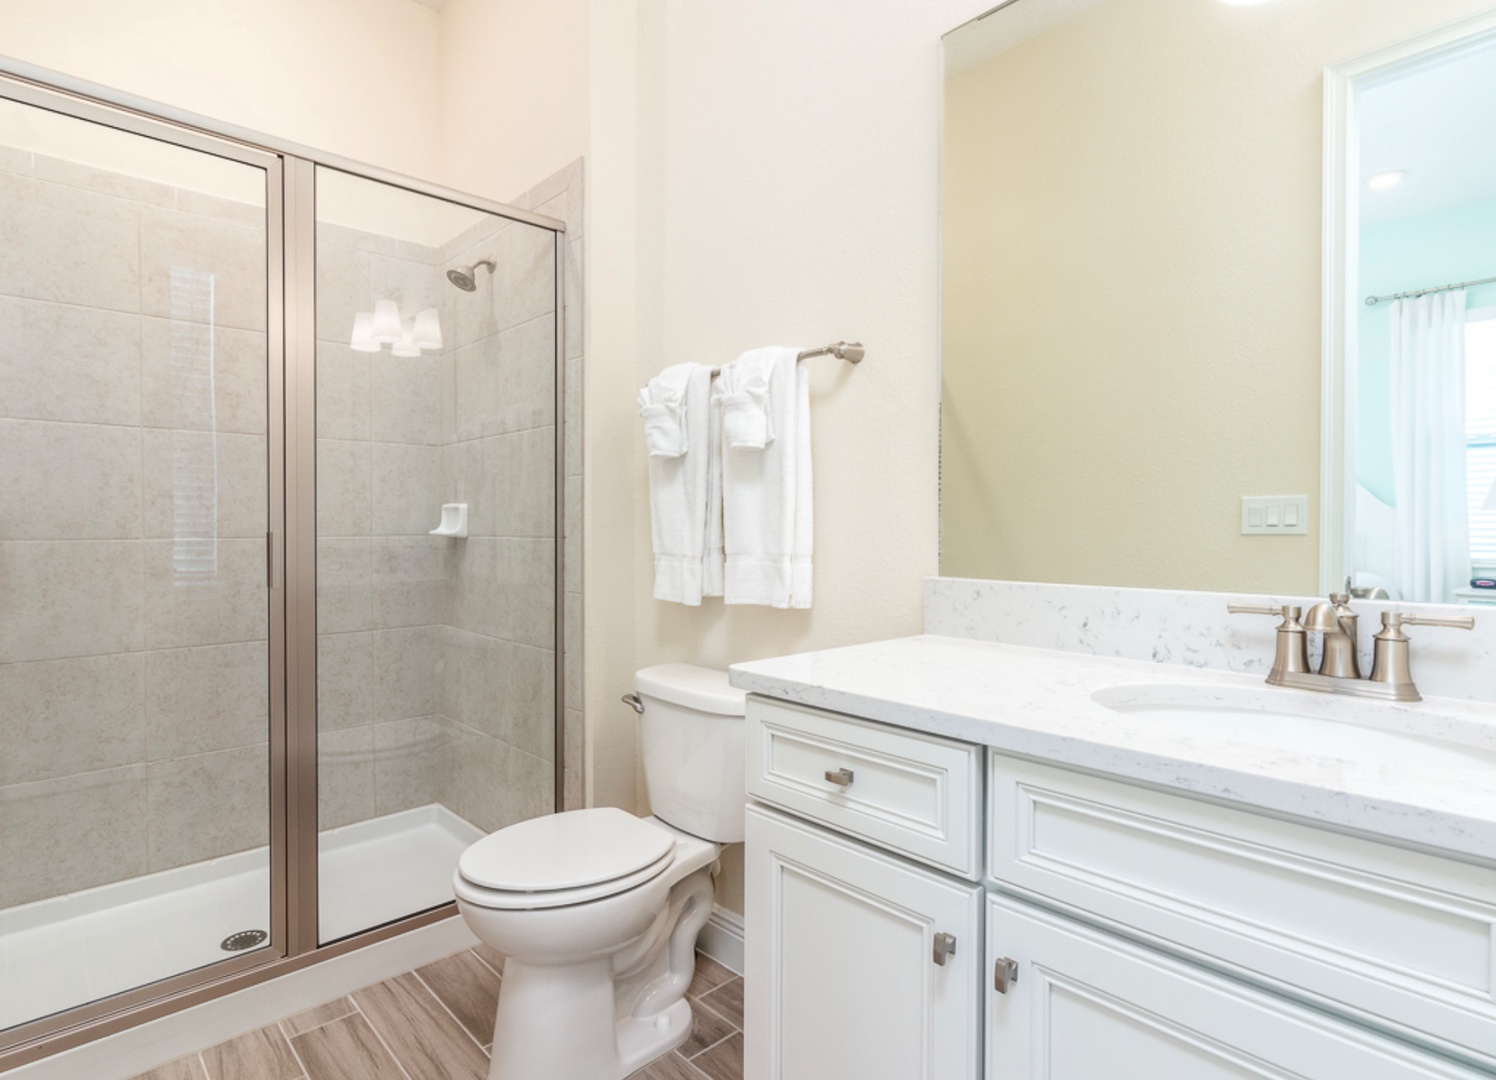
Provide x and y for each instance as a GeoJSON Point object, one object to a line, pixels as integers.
{"type": "Point", "coordinates": [915, 794]}
{"type": "Point", "coordinates": [1404, 939]}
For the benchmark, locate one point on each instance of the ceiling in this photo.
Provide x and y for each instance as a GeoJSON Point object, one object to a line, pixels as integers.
{"type": "Point", "coordinates": [1437, 124]}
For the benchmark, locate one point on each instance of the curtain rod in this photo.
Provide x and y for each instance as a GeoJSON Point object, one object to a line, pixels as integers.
{"type": "Point", "coordinates": [1372, 301]}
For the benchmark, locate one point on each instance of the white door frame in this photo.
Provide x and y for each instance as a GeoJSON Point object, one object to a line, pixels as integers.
{"type": "Point", "coordinates": [1341, 305]}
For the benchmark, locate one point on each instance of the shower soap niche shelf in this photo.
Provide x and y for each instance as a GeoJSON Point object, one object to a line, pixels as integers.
{"type": "Point", "coordinates": [454, 521]}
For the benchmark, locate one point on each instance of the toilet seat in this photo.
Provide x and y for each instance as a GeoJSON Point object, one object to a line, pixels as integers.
{"type": "Point", "coordinates": [509, 900]}
{"type": "Point", "coordinates": [564, 859]}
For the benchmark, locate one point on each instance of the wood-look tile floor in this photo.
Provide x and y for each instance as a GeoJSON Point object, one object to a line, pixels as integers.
{"type": "Point", "coordinates": [436, 1023]}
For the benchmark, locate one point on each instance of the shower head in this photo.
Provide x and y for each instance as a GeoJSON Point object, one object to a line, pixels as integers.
{"type": "Point", "coordinates": [466, 277]}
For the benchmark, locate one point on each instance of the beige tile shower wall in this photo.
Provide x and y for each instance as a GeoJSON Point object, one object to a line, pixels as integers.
{"type": "Point", "coordinates": [383, 744]}
{"type": "Point", "coordinates": [133, 658]}
{"type": "Point", "coordinates": [436, 665]}
{"type": "Point", "coordinates": [498, 652]}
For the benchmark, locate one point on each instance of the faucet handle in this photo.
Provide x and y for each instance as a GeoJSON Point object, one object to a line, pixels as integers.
{"type": "Point", "coordinates": [1396, 618]}
{"type": "Point", "coordinates": [1292, 656]}
{"type": "Point", "coordinates": [1288, 612]}
{"type": "Point", "coordinates": [1389, 662]}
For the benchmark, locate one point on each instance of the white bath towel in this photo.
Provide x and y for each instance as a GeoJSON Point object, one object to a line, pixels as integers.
{"type": "Point", "coordinates": [742, 398]}
{"type": "Point", "coordinates": [766, 494]}
{"type": "Point", "coordinates": [681, 488]}
{"type": "Point", "coordinates": [662, 403]}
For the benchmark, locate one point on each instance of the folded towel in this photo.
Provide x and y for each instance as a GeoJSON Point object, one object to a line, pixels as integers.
{"type": "Point", "coordinates": [742, 393]}
{"type": "Point", "coordinates": [766, 495]}
{"type": "Point", "coordinates": [662, 403]}
{"type": "Point", "coordinates": [680, 487]}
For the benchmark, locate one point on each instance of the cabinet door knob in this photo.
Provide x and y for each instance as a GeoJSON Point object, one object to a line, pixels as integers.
{"type": "Point", "coordinates": [839, 777]}
{"type": "Point", "coordinates": [1005, 975]}
{"type": "Point", "coordinates": [945, 946]}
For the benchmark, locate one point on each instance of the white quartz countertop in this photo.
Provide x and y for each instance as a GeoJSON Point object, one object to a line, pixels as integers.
{"type": "Point", "coordinates": [1423, 773]}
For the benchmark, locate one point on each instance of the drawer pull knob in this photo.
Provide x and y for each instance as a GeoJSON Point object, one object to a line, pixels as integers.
{"type": "Point", "coordinates": [945, 946]}
{"type": "Point", "coordinates": [1005, 975]}
{"type": "Point", "coordinates": [839, 777]}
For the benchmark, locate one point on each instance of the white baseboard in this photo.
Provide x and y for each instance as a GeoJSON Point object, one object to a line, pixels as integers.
{"type": "Point", "coordinates": [722, 938]}
{"type": "Point", "coordinates": [122, 1055]}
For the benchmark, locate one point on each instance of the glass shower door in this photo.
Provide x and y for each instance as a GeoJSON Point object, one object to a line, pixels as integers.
{"type": "Point", "coordinates": [135, 621]}
{"type": "Point", "coordinates": [436, 541]}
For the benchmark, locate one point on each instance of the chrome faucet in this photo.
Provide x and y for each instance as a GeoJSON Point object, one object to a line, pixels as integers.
{"type": "Point", "coordinates": [1340, 667]}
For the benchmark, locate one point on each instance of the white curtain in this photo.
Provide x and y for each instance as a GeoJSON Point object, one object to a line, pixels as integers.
{"type": "Point", "coordinates": [1428, 446]}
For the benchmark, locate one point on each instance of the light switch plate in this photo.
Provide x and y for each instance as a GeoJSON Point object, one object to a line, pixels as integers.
{"type": "Point", "coordinates": [1275, 515]}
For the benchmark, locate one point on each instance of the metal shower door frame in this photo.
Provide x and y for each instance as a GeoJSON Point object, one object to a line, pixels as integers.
{"type": "Point", "coordinates": [291, 546]}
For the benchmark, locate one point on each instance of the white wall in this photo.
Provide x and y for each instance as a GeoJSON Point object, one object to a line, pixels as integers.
{"type": "Point", "coordinates": [355, 77]}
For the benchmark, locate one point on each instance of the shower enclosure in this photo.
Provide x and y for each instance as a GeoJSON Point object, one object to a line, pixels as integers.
{"type": "Point", "coordinates": [280, 449]}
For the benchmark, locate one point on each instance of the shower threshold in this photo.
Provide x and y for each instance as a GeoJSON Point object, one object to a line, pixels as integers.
{"type": "Point", "coordinates": [66, 951]}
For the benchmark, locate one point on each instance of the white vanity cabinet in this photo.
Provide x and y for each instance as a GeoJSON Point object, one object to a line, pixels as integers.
{"type": "Point", "coordinates": [1098, 928]}
{"type": "Point", "coordinates": [862, 962]}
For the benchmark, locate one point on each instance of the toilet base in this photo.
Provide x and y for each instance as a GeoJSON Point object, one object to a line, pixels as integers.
{"type": "Point", "coordinates": [607, 1016]}
{"type": "Point", "coordinates": [550, 1028]}
{"type": "Point", "coordinates": [642, 1041]}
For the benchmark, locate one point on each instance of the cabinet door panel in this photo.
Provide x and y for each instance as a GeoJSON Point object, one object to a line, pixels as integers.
{"type": "Point", "coordinates": [1401, 939]}
{"type": "Point", "coordinates": [842, 980]}
{"type": "Point", "coordinates": [1087, 1005]}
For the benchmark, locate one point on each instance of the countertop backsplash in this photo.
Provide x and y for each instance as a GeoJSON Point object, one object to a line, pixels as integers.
{"type": "Point", "coordinates": [1194, 629]}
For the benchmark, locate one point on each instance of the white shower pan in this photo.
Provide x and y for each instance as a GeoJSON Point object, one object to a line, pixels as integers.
{"type": "Point", "coordinates": [68, 950]}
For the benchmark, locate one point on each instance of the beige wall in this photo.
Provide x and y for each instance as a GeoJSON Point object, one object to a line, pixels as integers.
{"type": "Point", "coordinates": [764, 173]}
{"type": "Point", "coordinates": [513, 106]}
{"type": "Point", "coordinates": [613, 287]}
{"type": "Point", "coordinates": [756, 173]}
{"type": "Point", "coordinates": [1132, 291]}
{"type": "Point", "coordinates": [355, 77]}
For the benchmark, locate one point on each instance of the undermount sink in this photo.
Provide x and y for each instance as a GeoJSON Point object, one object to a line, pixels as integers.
{"type": "Point", "coordinates": [1300, 723]}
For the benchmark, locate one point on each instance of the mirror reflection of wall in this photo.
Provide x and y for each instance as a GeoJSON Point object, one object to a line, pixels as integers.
{"type": "Point", "coordinates": [1132, 245]}
{"type": "Point", "coordinates": [1425, 415]}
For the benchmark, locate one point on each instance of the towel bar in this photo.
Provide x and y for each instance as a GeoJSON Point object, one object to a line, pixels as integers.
{"type": "Point", "coordinates": [850, 351]}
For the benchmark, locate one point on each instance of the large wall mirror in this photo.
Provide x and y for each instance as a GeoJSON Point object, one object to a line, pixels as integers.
{"type": "Point", "coordinates": [1219, 295]}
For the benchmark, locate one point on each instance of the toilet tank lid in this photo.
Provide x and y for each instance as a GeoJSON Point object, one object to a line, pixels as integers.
{"type": "Point", "coordinates": [704, 689]}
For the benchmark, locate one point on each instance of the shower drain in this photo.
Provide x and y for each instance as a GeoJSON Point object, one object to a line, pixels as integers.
{"type": "Point", "coordinates": [244, 939]}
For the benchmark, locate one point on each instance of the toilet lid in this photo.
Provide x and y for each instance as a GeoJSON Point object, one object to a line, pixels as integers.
{"type": "Point", "coordinates": [566, 851]}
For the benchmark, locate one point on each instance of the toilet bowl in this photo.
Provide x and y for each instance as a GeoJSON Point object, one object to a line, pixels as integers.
{"type": "Point", "coordinates": [597, 911]}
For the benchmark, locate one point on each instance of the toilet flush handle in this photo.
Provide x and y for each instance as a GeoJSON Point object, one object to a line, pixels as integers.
{"type": "Point", "coordinates": [633, 702]}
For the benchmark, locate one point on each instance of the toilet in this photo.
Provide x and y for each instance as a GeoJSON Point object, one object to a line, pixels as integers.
{"type": "Point", "coordinates": [597, 911]}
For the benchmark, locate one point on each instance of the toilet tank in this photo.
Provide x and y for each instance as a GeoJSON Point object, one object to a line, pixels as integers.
{"type": "Point", "coordinates": [691, 740]}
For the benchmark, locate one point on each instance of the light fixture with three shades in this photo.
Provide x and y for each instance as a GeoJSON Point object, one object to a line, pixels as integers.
{"type": "Point", "coordinates": [372, 331]}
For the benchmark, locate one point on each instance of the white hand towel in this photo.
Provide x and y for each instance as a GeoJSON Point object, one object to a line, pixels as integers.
{"type": "Point", "coordinates": [712, 560]}
{"type": "Point", "coordinates": [662, 403]}
{"type": "Point", "coordinates": [766, 498]}
{"type": "Point", "coordinates": [742, 395]}
{"type": "Point", "coordinates": [680, 493]}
